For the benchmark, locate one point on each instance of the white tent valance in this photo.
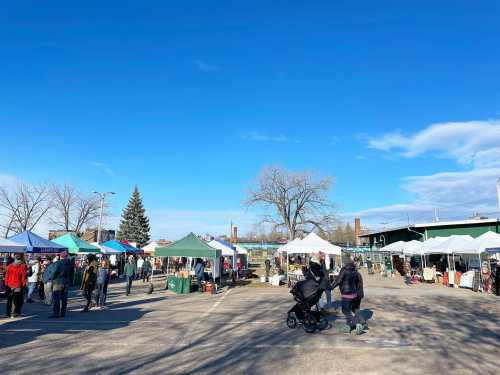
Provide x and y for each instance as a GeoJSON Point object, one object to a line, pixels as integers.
{"type": "Point", "coordinates": [8, 246]}
{"type": "Point", "coordinates": [313, 244]}
{"type": "Point", "coordinates": [487, 242]}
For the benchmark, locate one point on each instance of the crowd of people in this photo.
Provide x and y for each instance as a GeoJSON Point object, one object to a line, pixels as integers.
{"type": "Point", "coordinates": [50, 278]}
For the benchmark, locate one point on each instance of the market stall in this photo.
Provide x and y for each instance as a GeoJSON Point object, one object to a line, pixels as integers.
{"type": "Point", "coordinates": [78, 248]}
{"type": "Point", "coordinates": [189, 247]}
{"type": "Point", "coordinates": [8, 247]}
{"type": "Point", "coordinates": [76, 245]}
{"type": "Point", "coordinates": [37, 245]}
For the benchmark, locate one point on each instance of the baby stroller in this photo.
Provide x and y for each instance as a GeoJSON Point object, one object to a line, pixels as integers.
{"type": "Point", "coordinates": [307, 294]}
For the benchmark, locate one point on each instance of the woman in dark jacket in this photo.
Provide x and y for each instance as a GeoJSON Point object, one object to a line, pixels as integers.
{"type": "Point", "coordinates": [350, 283]}
{"type": "Point", "coordinates": [89, 280]}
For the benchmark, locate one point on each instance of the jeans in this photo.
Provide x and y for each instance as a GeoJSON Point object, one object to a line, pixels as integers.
{"type": "Point", "coordinates": [139, 273]}
{"type": "Point", "coordinates": [129, 283]}
{"type": "Point", "coordinates": [48, 292]}
{"type": "Point", "coordinates": [199, 280]}
{"type": "Point", "coordinates": [146, 275]}
{"type": "Point", "coordinates": [348, 307]}
{"type": "Point", "coordinates": [15, 298]}
{"type": "Point", "coordinates": [328, 293]}
{"type": "Point", "coordinates": [31, 289]}
{"type": "Point", "coordinates": [100, 296]}
{"type": "Point", "coordinates": [60, 300]}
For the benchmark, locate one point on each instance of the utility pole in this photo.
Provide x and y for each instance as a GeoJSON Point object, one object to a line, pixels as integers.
{"type": "Point", "coordinates": [102, 196]}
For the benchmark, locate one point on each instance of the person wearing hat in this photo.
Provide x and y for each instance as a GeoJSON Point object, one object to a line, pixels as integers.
{"type": "Point", "coordinates": [60, 284]}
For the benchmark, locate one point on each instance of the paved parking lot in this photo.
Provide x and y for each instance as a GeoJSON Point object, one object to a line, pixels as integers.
{"type": "Point", "coordinates": [418, 329]}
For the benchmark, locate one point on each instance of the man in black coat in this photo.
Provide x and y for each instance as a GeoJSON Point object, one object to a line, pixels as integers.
{"type": "Point", "coordinates": [350, 283]}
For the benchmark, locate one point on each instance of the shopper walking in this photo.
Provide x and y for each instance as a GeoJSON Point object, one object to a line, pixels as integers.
{"type": "Point", "coordinates": [103, 276]}
{"type": "Point", "coordinates": [33, 274]}
{"type": "Point", "coordinates": [61, 279]}
{"type": "Point", "coordinates": [15, 283]}
{"type": "Point", "coordinates": [351, 290]}
{"type": "Point", "coordinates": [199, 271]}
{"type": "Point", "coordinates": [140, 270]}
{"type": "Point", "coordinates": [147, 268]}
{"type": "Point", "coordinates": [130, 272]}
{"type": "Point", "coordinates": [89, 280]}
{"type": "Point", "coordinates": [47, 277]}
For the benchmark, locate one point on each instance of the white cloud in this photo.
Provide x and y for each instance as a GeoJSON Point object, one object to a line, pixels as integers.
{"type": "Point", "coordinates": [205, 66]}
{"type": "Point", "coordinates": [473, 143]}
{"type": "Point", "coordinates": [103, 167]}
{"type": "Point", "coordinates": [261, 137]}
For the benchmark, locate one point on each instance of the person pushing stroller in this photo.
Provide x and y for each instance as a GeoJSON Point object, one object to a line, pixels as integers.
{"type": "Point", "coordinates": [350, 283]}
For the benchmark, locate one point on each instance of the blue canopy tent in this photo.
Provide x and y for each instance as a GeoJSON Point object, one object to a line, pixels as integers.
{"type": "Point", "coordinates": [120, 246]}
{"type": "Point", "coordinates": [7, 246]}
{"type": "Point", "coordinates": [37, 244]}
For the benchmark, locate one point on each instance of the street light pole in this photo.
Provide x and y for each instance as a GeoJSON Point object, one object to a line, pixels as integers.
{"type": "Point", "coordinates": [103, 197]}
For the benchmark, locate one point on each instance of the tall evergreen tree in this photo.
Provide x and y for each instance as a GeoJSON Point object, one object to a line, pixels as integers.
{"type": "Point", "coordinates": [134, 226]}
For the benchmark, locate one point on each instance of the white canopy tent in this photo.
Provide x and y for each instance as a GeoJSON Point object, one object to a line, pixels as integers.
{"type": "Point", "coordinates": [413, 247]}
{"type": "Point", "coordinates": [8, 246]}
{"type": "Point", "coordinates": [226, 250]}
{"type": "Point", "coordinates": [241, 250]}
{"type": "Point", "coordinates": [487, 242]}
{"type": "Point", "coordinates": [313, 243]}
{"type": "Point", "coordinates": [395, 247]}
{"type": "Point", "coordinates": [291, 247]}
{"type": "Point", "coordinates": [150, 248]}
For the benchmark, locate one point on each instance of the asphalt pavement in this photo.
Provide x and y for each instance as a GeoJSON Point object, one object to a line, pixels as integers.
{"type": "Point", "coordinates": [412, 329]}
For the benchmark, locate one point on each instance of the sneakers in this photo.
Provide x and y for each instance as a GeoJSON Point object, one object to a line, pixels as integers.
{"type": "Point", "coordinates": [345, 329]}
{"type": "Point", "coordinates": [359, 329]}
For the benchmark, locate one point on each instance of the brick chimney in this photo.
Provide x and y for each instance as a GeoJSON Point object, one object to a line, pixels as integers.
{"type": "Point", "coordinates": [357, 229]}
{"type": "Point", "coordinates": [234, 235]}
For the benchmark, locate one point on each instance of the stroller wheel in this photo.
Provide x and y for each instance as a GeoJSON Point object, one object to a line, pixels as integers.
{"type": "Point", "coordinates": [323, 323]}
{"type": "Point", "coordinates": [291, 322]}
{"type": "Point", "coordinates": [309, 324]}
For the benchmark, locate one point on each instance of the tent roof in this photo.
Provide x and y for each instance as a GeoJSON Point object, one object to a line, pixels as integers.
{"type": "Point", "coordinates": [37, 244]}
{"type": "Point", "coordinates": [240, 249]}
{"type": "Point", "coordinates": [189, 246]}
{"type": "Point", "coordinates": [75, 244]}
{"type": "Point", "coordinates": [151, 247]}
{"type": "Point", "coordinates": [8, 246]}
{"type": "Point", "coordinates": [291, 246]}
{"type": "Point", "coordinates": [487, 241]}
{"type": "Point", "coordinates": [452, 244]}
{"type": "Point", "coordinates": [395, 247]}
{"type": "Point", "coordinates": [413, 247]}
{"type": "Point", "coordinates": [317, 244]}
{"type": "Point", "coordinates": [312, 243]}
{"type": "Point", "coordinates": [227, 249]}
{"type": "Point", "coordinates": [120, 247]}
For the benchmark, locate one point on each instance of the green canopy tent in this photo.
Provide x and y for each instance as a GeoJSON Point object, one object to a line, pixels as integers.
{"type": "Point", "coordinates": [190, 247]}
{"type": "Point", "coordinates": [75, 244]}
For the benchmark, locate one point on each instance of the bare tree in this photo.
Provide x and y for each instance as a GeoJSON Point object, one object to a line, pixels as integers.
{"type": "Point", "coordinates": [24, 207]}
{"type": "Point", "coordinates": [73, 210]}
{"type": "Point", "coordinates": [294, 201]}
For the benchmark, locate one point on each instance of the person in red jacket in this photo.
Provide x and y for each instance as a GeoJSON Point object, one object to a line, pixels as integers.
{"type": "Point", "coordinates": [15, 282]}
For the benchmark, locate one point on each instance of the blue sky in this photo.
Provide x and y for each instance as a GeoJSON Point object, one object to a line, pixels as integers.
{"type": "Point", "coordinates": [397, 100]}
